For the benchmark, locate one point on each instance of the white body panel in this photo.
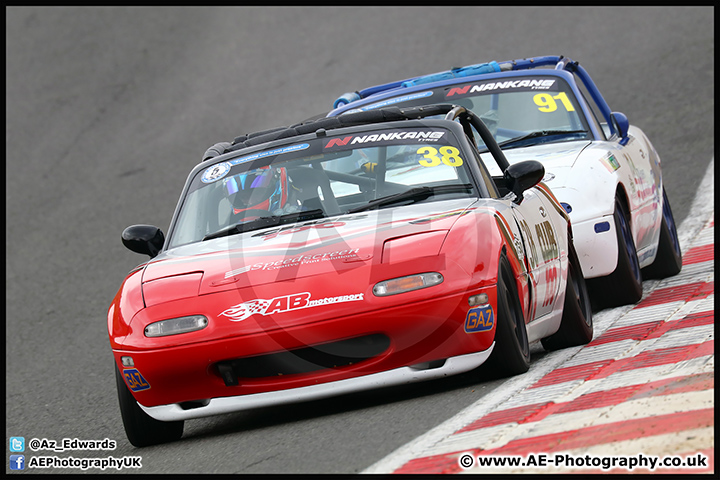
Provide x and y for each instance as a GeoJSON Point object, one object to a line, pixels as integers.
{"type": "Point", "coordinates": [586, 176]}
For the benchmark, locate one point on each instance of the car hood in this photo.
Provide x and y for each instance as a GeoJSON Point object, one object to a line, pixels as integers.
{"type": "Point", "coordinates": [554, 156]}
{"type": "Point", "coordinates": [307, 249]}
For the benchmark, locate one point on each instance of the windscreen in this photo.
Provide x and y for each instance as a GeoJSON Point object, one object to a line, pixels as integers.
{"type": "Point", "coordinates": [511, 107]}
{"type": "Point", "coordinates": [333, 175]}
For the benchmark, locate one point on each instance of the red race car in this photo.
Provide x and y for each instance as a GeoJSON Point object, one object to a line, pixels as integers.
{"type": "Point", "coordinates": [360, 251]}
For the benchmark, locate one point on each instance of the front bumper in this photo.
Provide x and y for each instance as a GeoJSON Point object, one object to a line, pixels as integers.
{"type": "Point", "coordinates": [596, 245]}
{"type": "Point", "coordinates": [398, 376]}
{"type": "Point", "coordinates": [186, 381]}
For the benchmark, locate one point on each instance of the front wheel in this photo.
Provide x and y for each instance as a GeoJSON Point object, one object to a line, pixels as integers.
{"type": "Point", "coordinates": [668, 261]}
{"type": "Point", "coordinates": [511, 355]}
{"type": "Point", "coordinates": [141, 429]}
{"type": "Point", "coordinates": [624, 285]}
{"type": "Point", "coordinates": [576, 327]}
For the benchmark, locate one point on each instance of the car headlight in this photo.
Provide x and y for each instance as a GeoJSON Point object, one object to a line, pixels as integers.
{"type": "Point", "coordinates": [174, 326]}
{"type": "Point", "coordinates": [407, 284]}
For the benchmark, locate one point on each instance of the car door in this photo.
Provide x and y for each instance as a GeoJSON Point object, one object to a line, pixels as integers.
{"type": "Point", "coordinates": [540, 239]}
{"type": "Point", "coordinates": [645, 196]}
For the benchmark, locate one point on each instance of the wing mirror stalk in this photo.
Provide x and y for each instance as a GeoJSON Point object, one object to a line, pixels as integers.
{"type": "Point", "coordinates": [621, 125]}
{"type": "Point", "coordinates": [523, 175]}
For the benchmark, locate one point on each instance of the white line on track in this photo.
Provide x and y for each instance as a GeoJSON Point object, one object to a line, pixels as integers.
{"type": "Point", "coordinates": [701, 210]}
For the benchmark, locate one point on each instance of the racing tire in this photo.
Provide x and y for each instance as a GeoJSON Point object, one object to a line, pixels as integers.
{"type": "Point", "coordinates": [141, 429]}
{"type": "Point", "coordinates": [576, 327]}
{"type": "Point", "coordinates": [511, 355]}
{"type": "Point", "coordinates": [668, 261]}
{"type": "Point", "coordinates": [624, 285]}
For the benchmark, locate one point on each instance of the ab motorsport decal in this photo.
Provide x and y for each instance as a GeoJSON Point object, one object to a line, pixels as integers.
{"type": "Point", "coordinates": [283, 304]}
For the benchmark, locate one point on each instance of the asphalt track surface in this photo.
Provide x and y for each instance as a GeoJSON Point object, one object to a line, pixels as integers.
{"type": "Point", "coordinates": [108, 109]}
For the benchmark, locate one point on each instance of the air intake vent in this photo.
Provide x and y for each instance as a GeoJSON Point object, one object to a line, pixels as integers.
{"type": "Point", "coordinates": [304, 360]}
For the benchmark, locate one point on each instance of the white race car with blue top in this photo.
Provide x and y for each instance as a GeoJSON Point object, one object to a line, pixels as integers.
{"type": "Point", "coordinates": [605, 171]}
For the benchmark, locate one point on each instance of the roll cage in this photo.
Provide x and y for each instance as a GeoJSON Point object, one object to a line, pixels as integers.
{"type": "Point", "coordinates": [275, 138]}
{"type": "Point", "coordinates": [558, 62]}
{"type": "Point", "coordinates": [381, 115]}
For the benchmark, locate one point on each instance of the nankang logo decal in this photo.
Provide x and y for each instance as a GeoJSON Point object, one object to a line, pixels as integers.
{"type": "Point", "coordinates": [416, 136]}
{"type": "Point", "coordinates": [282, 304]}
{"type": "Point", "coordinates": [545, 84]}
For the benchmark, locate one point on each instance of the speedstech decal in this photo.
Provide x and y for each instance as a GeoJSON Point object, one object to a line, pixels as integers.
{"type": "Point", "coordinates": [295, 261]}
{"type": "Point", "coordinates": [286, 303]}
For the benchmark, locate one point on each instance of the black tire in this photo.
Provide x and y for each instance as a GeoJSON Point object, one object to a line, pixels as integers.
{"type": "Point", "coordinates": [668, 261]}
{"type": "Point", "coordinates": [141, 429]}
{"type": "Point", "coordinates": [576, 327]}
{"type": "Point", "coordinates": [511, 355]}
{"type": "Point", "coordinates": [624, 285]}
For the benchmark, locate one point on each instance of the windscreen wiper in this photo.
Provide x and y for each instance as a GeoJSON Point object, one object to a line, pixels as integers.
{"type": "Point", "coordinates": [264, 222]}
{"type": "Point", "coordinates": [538, 134]}
{"type": "Point", "coordinates": [415, 194]}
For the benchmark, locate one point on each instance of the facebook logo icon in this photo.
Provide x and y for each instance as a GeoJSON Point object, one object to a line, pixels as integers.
{"type": "Point", "coordinates": [17, 462]}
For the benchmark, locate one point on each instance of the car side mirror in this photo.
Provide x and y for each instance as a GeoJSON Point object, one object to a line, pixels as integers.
{"type": "Point", "coordinates": [523, 175]}
{"type": "Point", "coordinates": [621, 125]}
{"type": "Point", "coordinates": [146, 239]}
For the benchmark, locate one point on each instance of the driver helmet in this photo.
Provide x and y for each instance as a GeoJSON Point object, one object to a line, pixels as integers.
{"type": "Point", "coordinates": [263, 189]}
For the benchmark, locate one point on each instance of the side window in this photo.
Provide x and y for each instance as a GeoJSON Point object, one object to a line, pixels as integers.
{"type": "Point", "coordinates": [597, 116]}
{"type": "Point", "coordinates": [486, 177]}
{"type": "Point", "coordinates": [348, 165]}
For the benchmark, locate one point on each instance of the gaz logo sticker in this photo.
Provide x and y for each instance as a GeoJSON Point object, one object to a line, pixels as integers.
{"type": "Point", "coordinates": [450, 156]}
{"type": "Point", "coordinates": [135, 380]}
{"type": "Point", "coordinates": [479, 319]}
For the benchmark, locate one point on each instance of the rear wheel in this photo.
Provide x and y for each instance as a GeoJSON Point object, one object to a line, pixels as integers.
{"type": "Point", "coordinates": [576, 327]}
{"type": "Point", "coordinates": [624, 285]}
{"type": "Point", "coordinates": [141, 429]}
{"type": "Point", "coordinates": [511, 355]}
{"type": "Point", "coordinates": [668, 261]}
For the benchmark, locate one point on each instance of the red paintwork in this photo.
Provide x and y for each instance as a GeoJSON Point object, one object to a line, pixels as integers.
{"type": "Point", "coordinates": [346, 256]}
